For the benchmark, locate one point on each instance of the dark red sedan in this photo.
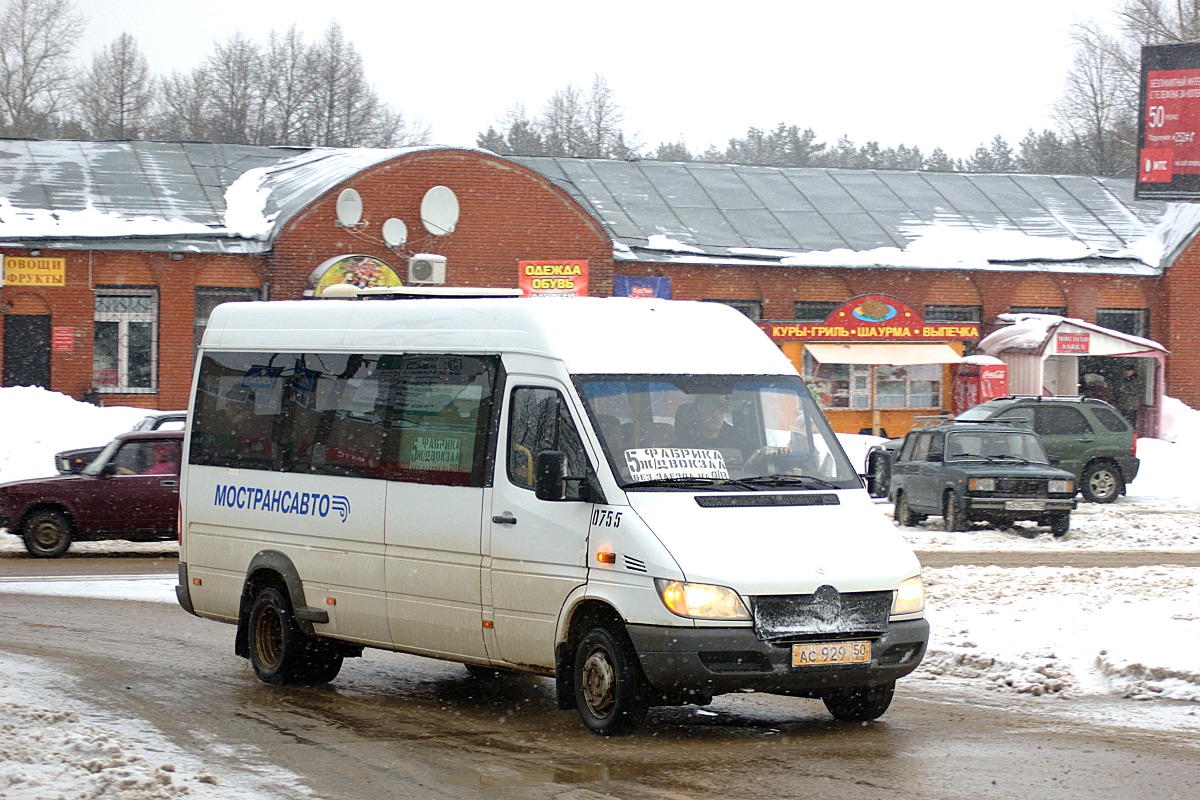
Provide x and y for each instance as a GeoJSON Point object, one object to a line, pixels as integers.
{"type": "Point", "coordinates": [130, 491]}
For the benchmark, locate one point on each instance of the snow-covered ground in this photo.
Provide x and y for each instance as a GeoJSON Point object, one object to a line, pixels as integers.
{"type": "Point", "coordinates": [1039, 634]}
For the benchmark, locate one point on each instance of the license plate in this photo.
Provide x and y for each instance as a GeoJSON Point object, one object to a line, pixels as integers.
{"type": "Point", "coordinates": [815, 654]}
{"type": "Point", "coordinates": [1025, 505]}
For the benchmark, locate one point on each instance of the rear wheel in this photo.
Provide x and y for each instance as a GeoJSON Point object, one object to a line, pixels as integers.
{"type": "Point", "coordinates": [46, 533]}
{"type": "Point", "coordinates": [279, 651]}
{"type": "Point", "coordinates": [1101, 483]}
{"type": "Point", "coordinates": [860, 704]}
{"type": "Point", "coordinates": [610, 690]}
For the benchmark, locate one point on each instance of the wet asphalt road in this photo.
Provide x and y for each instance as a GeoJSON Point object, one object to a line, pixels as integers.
{"type": "Point", "coordinates": [405, 727]}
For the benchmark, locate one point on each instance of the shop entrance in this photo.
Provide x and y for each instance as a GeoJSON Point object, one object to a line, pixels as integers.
{"type": "Point", "coordinates": [27, 350]}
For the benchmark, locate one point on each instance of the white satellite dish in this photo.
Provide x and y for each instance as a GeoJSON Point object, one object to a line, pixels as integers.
{"type": "Point", "coordinates": [395, 232]}
{"type": "Point", "coordinates": [439, 210]}
{"type": "Point", "coordinates": [349, 208]}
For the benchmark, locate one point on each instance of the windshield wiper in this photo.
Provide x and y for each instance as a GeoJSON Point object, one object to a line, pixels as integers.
{"type": "Point", "coordinates": [807, 481]}
{"type": "Point", "coordinates": [687, 483]}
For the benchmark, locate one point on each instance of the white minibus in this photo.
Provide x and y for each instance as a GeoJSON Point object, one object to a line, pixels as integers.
{"type": "Point", "coordinates": [638, 498]}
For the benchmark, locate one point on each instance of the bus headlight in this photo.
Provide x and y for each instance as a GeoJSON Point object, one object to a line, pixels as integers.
{"type": "Point", "coordinates": [909, 598]}
{"type": "Point", "coordinates": [700, 600]}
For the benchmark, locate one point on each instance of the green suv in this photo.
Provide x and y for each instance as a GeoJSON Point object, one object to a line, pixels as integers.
{"type": "Point", "coordinates": [1087, 437]}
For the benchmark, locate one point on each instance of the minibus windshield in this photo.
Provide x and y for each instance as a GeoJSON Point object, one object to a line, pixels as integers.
{"type": "Point", "coordinates": [689, 431]}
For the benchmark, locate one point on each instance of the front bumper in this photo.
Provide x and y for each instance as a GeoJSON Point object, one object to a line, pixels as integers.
{"type": "Point", "coordinates": [999, 507]}
{"type": "Point", "coordinates": [712, 661]}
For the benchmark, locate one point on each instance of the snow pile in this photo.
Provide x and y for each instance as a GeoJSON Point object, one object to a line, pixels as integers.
{"type": "Point", "coordinates": [54, 747]}
{"type": "Point", "coordinates": [1002, 627]}
{"type": "Point", "coordinates": [38, 423]}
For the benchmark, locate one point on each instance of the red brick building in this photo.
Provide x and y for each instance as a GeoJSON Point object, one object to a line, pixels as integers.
{"type": "Point", "coordinates": [115, 252]}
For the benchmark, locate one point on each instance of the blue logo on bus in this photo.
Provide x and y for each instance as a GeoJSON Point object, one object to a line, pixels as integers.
{"type": "Point", "coordinates": [283, 501]}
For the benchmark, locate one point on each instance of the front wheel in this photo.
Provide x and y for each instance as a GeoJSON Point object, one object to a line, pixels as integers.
{"type": "Point", "coordinates": [46, 533]}
{"type": "Point", "coordinates": [610, 689]}
{"type": "Point", "coordinates": [954, 517]}
{"type": "Point", "coordinates": [1060, 524]}
{"type": "Point", "coordinates": [1101, 483]}
{"type": "Point", "coordinates": [279, 651]}
{"type": "Point", "coordinates": [860, 704]}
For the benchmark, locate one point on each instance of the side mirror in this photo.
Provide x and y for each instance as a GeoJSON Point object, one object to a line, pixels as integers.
{"type": "Point", "coordinates": [550, 474]}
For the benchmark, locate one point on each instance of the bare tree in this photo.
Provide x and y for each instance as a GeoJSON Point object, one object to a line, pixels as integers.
{"type": "Point", "coordinates": [287, 85]}
{"type": "Point", "coordinates": [234, 72]}
{"type": "Point", "coordinates": [115, 92]}
{"type": "Point", "coordinates": [344, 110]}
{"type": "Point", "coordinates": [182, 108]}
{"type": "Point", "coordinates": [563, 123]}
{"type": "Point", "coordinates": [37, 39]}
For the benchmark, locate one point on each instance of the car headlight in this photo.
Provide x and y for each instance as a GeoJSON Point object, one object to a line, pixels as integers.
{"type": "Point", "coordinates": [700, 600]}
{"type": "Point", "coordinates": [909, 598]}
{"type": "Point", "coordinates": [1064, 486]}
{"type": "Point", "coordinates": [982, 484]}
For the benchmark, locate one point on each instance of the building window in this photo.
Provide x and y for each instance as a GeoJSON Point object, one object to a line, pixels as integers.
{"type": "Point", "coordinates": [849, 385]}
{"type": "Point", "coordinates": [1057, 310]}
{"type": "Point", "coordinates": [125, 340]}
{"type": "Point", "coordinates": [207, 299]}
{"type": "Point", "coordinates": [813, 310]}
{"type": "Point", "coordinates": [935, 313]}
{"type": "Point", "coordinates": [751, 308]}
{"type": "Point", "coordinates": [1134, 321]}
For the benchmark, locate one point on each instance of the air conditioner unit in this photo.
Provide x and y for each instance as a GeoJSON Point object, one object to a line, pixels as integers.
{"type": "Point", "coordinates": [427, 268]}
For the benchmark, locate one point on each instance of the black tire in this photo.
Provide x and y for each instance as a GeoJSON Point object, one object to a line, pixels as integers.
{"type": "Point", "coordinates": [905, 515]}
{"type": "Point", "coordinates": [279, 651]}
{"type": "Point", "coordinates": [46, 533]}
{"type": "Point", "coordinates": [610, 690]}
{"type": "Point", "coordinates": [1059, 524]}
{"type": "Point", "coordinates": [1101, 482]}
{"type": "Point", "coordinates": [880, 470]}
{"type": "Point", "coordinates": [860, 704]}
{"type": "Point", "coordinates": [954, 517]}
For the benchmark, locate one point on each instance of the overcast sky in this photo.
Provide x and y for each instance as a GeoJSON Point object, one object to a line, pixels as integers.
{"type": "Point", "coordinates": [949, 73]}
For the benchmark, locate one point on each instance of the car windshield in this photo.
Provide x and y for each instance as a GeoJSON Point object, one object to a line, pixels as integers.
{"type": "Point", "coordinates": [744, 432]}
{"type": "Point", "coordinates": [985, 445]}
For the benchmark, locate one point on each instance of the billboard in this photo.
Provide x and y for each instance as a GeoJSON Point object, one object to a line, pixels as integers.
{"type": "Point", "coordinates": [1169, 123]}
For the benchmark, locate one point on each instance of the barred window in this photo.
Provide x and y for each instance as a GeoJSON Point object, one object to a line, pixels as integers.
{"type": "Point", "coordinates": [751, 308]}
{"type": "Point", "coordinates": [1133, 321]}
{"type": "Point", "coordinates": [209, 298]}
{"type": "Point", "coordinates": [1058, 310]}
{"type": "Point", "coordinates": [940, 313]}
{"type": "Point", "coordinates": [125, 340]}
{"type": "Point", "coordinates": [813, 310]}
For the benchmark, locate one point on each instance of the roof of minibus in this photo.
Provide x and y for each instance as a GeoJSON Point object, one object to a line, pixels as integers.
{"type": "Point", "coordinates": [590, 335]}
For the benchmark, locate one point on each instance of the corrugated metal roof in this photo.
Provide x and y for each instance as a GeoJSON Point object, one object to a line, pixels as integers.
{"type": "Point", "coordinates": [721, 210]}
{"type": "Point", "coordinates": [655, 211]}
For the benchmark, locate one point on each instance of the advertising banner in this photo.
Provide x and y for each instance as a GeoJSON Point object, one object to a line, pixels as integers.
{"type": "Point", "coordinates": [1169, 123]}
{"type": "Point", "coordinates": [641, 286]}
{"type": "Point", "coordinates": [28, 271]}
{"type": "Point", "coordinates": [553, 278]}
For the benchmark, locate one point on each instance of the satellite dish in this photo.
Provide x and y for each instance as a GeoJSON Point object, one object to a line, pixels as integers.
{"type": "Point", "coordinates": [395, 232]}
{"type": "Point", "coordinates": [439, 210]}
{"type": "Point", "coordinates": [349, 208]}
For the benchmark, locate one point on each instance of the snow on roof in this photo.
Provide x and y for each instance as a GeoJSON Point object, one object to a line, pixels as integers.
{"type": "Point", "coordinates": [235, 198]}
{"type": "Point", "coordinates": [1030, 333]}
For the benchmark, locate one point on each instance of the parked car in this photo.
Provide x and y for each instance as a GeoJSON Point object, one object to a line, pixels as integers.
{"type": "Point", "coordinates": [129, 491]}
{"type": "Point", "coordinates": [72, 461]}
{"type": "Point", "coordinates": [969, 472]}
{"type": "Point", "coordinates": [1085, 436]}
